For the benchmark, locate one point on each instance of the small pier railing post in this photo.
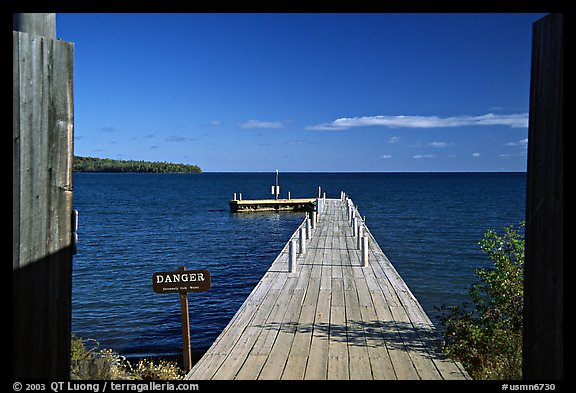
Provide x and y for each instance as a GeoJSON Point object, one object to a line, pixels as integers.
{"type": "Point", "coordinates": [364, 251]}
{"type": "Point", "coordinates": [313, 220]}
{"type": "Point", "coordinates": [292, 256]}
{"type": "Point", "coordinates": [359, 237]}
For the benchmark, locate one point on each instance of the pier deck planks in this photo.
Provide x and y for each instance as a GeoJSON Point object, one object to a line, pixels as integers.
{"type": "Point", "coordinates": [331, 319]}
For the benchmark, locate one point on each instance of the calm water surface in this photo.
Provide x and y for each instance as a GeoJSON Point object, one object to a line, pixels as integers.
{"type": "Point", "coordinates": [132, 225]}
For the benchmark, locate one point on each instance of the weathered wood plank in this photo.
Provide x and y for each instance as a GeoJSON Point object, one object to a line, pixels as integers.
{"type": "Point", "coordinates": [42, 199]}
{"type": "Point", "coordinates": [357, 348]}
{"type": "Point", "coordinates": [338, 360]}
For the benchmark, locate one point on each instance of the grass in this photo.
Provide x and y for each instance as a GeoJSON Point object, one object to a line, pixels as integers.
{"type": "Point", "coordinates": [88, 361]}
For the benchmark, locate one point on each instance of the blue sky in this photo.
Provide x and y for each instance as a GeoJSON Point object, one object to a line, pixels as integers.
{"type": "Point", "coordinates": [304, 92]}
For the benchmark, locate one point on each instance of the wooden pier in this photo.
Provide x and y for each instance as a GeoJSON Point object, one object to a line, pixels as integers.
{"type": "Point", "coordinates": [277, 205]}
{"type": "Point", "coordinates": [334, 317]}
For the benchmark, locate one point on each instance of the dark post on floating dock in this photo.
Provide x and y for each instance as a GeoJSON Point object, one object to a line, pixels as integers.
{"type": "Point", "coordinates": [42, 238]}
{"type": "Point", "coordinates": [543, 281]}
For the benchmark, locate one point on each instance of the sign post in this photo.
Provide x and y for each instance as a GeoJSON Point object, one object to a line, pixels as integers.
{"type": "Point", "coordinates": [182, 282]}
{"type": "Point", "coordinates": [186, 349]}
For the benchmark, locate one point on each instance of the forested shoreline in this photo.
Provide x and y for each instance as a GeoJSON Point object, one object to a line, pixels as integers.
{"type": "Point", "coordinates": [92, 164]}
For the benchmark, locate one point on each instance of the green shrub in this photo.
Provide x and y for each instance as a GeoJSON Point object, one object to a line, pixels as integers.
{"type": "Point", "coordinates": [163, 370]}
{"type": "Point", "coordinates": [104, 364]}
{"type": "Point", "coordinates": [486, 335]}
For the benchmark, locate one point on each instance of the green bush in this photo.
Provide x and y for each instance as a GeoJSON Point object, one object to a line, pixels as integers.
{"type": "Point", "coordinates": [162, 370]}
{"type": "Point", "coordinates": [486, 335]}
{"type": "Point", "coordinates": [103, 364]}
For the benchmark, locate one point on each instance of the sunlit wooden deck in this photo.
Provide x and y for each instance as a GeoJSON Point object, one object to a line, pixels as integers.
{"type": "Point", "coordinates": [330, 319]}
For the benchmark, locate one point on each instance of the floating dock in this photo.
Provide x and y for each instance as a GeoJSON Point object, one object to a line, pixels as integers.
{"type": "Point", "coordinates": [277, 205]}
{"type": "Point", "coordinates": [329, 311]}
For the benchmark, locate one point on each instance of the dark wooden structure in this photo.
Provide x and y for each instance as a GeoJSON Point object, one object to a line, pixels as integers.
{"type": "Point", "coordinates": [543, 307]}
{"type": "Point", "coordinates": [272, 205]}
{"type": "Point", "coordinates": [42, 131]}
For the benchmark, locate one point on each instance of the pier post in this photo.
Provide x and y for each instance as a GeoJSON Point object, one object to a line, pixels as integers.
{"type": "Point", "coordinates": [364, 251]}
{"type": "Point", "coordinates": [302, 240]}
{"type": "Point", "coordinates": [359, 237]}
{"type": "Point", "coordinates": [314, 219]}
{"type": "Point", "coordinates": [292, 256]}
{"type": "Point", "coordinates": [42, 195]}
{"type": "Point", "coordinates": [185, 316]}
{"type": "Point", "coordinates": [543, 330]}
{"type": "Point", "coordinates": [308, 229]}
{"type": "Point", "coordinates": [234, 199]}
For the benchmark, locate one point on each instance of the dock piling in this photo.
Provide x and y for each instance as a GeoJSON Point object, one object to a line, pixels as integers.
{"type": "Point", "coordinates": [359, 237]}
{"type": "Point", "coordinates": [302, 233]}
{"type": "Point", "coordinates": [292, 256]}
{"type": "Point", "coordinates": [364, 251]}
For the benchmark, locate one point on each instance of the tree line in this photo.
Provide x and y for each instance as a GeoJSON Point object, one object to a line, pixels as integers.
{"type": "Point", "coordinates": [92, 164]}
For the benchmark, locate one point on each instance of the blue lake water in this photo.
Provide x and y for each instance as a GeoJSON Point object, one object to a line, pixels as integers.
{"type": "Point", "coordinates": [132, 225]}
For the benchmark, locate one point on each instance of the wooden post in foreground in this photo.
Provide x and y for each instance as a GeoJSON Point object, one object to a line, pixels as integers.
{"type": "Point", "coordinates": [42, 196]}
{"type": "Point", "coordinates": [543, 329]}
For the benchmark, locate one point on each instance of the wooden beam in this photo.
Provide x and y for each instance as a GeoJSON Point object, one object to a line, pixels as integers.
{"type": "Point", "coordinates": [42, 113]}
{"type": "Point", "coordinates": [543, 282]}
{"type": "Point", "coordinates": [40, 24]}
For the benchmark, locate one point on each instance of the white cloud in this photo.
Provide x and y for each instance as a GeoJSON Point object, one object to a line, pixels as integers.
{"type": "Point", "coordinates": [394, 139]}
{"type": "Point", "coordinates": [386, 156]}
{"type": "Point", "coordinates": [521, 142]}
{"type": "Point", "coordinates": [251, 124]}
{"type": "Point", "coordinates": [419, 156]}
{"type": "Point", "coordinates": [476, 155]}
{"type": "Point", "coordinates": [518, 120]}
{"type": "Point", "coordinates": [440, 144]}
